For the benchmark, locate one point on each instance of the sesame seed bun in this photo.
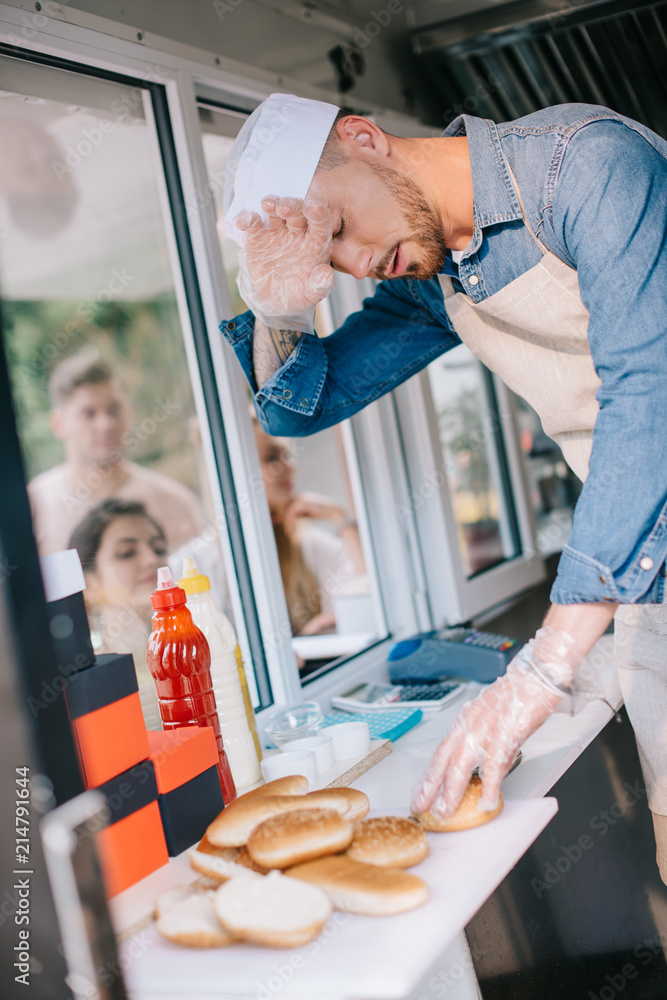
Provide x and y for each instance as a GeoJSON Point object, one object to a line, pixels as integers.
{"type": "Point", "coordinates": [291, 838]}
{"type": "Point", "coordinates": [467, 816]}
{"type": "Point", "coordinates": [389, 841]}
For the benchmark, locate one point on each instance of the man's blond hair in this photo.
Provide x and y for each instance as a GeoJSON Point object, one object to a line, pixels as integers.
{"type": "Point", "coordinates": [332, 154]}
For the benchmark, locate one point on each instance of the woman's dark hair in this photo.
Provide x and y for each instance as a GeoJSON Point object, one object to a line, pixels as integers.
{"type": "Point", "coordinates": [87, 536]}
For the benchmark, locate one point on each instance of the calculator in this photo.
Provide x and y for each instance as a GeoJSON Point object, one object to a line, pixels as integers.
{"type": "Point", "coordinates": [376, 696]}
{"type": "Point", "coordinates": [466, 653]}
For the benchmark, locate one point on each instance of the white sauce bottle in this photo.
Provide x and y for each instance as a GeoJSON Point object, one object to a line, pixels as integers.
{"type": "Point", "coordinates": [237, 736]}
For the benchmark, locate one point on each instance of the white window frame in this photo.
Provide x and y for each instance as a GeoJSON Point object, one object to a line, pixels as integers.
{"type": "Point", "coordinates": [454, 597]}
{"type": "Point", "coordinates": [253, 509]}
{"type": "Point", "coordinates": [378, 445]}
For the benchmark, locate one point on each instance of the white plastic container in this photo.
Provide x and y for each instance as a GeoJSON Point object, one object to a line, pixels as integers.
{"type": "Point", "coordinates": [229, 635]}
{"type": "Point", "coordinates": [279, 765]}
{"type": "Point", "coordinates": [350, 739]}
{"type": "Point", "coordinates": [322, 746]}
{"type": "Point", "coordinates": [236, 734]}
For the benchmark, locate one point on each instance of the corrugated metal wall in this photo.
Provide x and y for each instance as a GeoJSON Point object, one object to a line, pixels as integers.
{"type": "Point", "coordinates": [612, 54]}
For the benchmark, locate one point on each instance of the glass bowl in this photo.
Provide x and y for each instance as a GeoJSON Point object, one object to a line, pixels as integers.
{"type": "Point", "coordinates": [294, 721]}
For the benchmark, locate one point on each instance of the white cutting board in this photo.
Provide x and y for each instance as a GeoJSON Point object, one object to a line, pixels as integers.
{"type": "Point", "coordinates": [358, 957]}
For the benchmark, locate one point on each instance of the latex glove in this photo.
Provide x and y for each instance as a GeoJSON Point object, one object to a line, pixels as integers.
{"type": "Point", "coordinates": [284, 268]}
{"type": "Point", "coordinates": [490, 729]}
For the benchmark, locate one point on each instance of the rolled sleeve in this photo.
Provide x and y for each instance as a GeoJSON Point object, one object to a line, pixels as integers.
{"type": "Point", "coordinates": [582, 579]}
{"type": "Point", "coordinates": [238, 332]}
{"type": "Point", "coordinates": [295, 388]}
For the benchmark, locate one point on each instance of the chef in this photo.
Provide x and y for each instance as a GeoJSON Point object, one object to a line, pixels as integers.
{"type": "Point", "coordinates": [541, 245]}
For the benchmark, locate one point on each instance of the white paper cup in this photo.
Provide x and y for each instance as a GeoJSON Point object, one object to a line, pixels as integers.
{"type": "Point", "coordinates": [279, 765]}
{"type": "Point", "coordinates": [321, 746]}
{"type": "Point", "coordinates": [350, 739]}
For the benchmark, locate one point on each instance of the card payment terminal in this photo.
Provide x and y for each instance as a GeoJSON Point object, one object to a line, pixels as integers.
{"type": "Point", "coordinates": [451, 652]}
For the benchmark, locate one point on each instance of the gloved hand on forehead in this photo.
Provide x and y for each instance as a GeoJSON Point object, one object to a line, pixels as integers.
{"type": "Point", "coordinates": [490, 729]}
{"type": "Point", "coordinates": [284, 268]}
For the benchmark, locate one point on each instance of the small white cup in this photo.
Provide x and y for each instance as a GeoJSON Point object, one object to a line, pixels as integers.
{"type": "Point", "coordinates": [321, 746]}
{"type": "Point", "coordinates": [279, 765]}
{"type": "Point", "coordinates": [350, 739]}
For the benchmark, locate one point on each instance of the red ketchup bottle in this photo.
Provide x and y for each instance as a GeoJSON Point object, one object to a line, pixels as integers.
{"type": "Point", "coordinates": [179, 660]}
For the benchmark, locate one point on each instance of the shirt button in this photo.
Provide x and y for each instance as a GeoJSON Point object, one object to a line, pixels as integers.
{"type": "Point", "coordinates": [287, 394]}
{"type": "Point", "coordinates": [602, 579]}
{"type": "Point", "coordinates": [304, 402]}
{"type": "Point", "coordinates": [231, 326]}
{"type": "Point", "coordinates": [473, 279]}
{"type": "Point", "coordinates": [646, 562]}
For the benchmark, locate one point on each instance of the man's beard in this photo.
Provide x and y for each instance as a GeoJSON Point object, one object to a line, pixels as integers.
{"type": "Point", "coordinates": [426, 231]}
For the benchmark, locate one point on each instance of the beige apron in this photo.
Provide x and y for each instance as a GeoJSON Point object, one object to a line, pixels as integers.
{"type": "Point", "coordinates": [534, 334]}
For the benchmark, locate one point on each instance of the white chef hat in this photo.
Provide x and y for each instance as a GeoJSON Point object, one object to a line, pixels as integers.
{"type": "Point", "coordinates": [275, 153]}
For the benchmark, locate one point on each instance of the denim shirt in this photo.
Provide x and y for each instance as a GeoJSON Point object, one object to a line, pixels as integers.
{"type": "Point", "coordinates": [594, 186]}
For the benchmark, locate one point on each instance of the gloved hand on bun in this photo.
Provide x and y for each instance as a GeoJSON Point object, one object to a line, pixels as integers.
{"type": "Point", "coordinates": [490, 729]}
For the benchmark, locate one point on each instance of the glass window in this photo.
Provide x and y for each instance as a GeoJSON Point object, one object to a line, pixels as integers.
{"type": "Point", "coordinates": [325, 568]}
{"type": "Point", "coordinates": [468, 427]}
{"type": "Point", "coordinates": [553, 486]}
{"type": "Point", "coordinates": [103, 372]}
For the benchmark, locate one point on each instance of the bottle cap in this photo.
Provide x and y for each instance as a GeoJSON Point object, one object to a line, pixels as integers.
{"type": "Point", "coordinates": [167, 594]}
{"type": "Point", "coordinates": [192, 581]}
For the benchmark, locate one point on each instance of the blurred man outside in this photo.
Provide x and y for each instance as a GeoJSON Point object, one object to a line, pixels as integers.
{"type": "Point", "coordinates": [92, 416]}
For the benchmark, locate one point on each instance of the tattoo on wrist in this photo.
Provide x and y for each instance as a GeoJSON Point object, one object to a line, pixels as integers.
{"type": "Point", "coordinates": [271, 348]}
{"type": "Point", "coordinates": [284, 341]}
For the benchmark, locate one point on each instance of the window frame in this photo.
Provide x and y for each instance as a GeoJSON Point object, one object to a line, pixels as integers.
{"type": "Point", "coordinates": [455, 597]}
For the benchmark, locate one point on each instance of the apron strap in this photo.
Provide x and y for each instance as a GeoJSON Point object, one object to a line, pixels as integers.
{"type": "Point", "coordinates": [526, 223]}
{"type": "Point", "coordinates": [446, 286]}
